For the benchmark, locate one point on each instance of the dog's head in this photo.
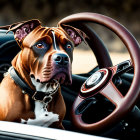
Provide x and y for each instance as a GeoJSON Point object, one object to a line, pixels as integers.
{"type": "Point", "coordinates": [46, 52]}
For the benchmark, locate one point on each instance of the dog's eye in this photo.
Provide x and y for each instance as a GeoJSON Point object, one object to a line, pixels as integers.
{"type": "Point", "coordinates": [40, 46]}
{"type": "Point", "coordinates": [68, 46]}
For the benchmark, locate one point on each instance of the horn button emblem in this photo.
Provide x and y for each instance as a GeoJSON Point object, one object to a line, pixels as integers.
{"type": "Point", "coordinates": [95, 82]}
{"type": "Point", "coordinates": [94, 79]}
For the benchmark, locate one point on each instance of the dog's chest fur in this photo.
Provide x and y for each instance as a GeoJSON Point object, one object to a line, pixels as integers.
{"type": "Point", "coordinates": [42, 116]}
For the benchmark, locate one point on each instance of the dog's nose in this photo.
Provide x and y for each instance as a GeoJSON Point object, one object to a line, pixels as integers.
{"type": "Point", "coordinates": [61, 59]}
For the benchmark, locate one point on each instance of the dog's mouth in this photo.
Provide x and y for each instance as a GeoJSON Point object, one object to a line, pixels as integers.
{"type": "Point", "coordinates": [61, 77]}
{"type": "Point", "coordinates": [46, 87]}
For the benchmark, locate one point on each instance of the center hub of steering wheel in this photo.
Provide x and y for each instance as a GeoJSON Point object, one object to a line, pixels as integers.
{"type": "Point", "coordinates": [94, 79]}
{"type": "Point", "coordinates": [95, 82]}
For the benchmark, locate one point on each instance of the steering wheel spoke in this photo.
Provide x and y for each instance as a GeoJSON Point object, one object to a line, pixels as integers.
{"type": "Point", "coordinates": [112, 94]}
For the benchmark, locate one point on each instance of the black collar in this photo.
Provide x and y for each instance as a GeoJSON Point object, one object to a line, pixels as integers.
{"type": "Point", "coordinates": [20, 82]}
{"type": "Point", "coordinates": [36, 95]}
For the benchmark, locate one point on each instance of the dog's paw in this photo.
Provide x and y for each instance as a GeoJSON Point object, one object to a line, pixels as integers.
{"type": "Point", "coordinates": [23, 121]}
{"type": "Point", "coordinates": [50, 119]}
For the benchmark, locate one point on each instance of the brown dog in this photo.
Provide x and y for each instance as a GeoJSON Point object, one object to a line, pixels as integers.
{"type": "Point", "coordinates": [30, 92]}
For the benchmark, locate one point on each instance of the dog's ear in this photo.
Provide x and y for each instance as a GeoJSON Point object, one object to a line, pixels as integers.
{"type": "Point", "coordinates": [75, 34]}
{"type": "Point", "coordinates": [22, 29]}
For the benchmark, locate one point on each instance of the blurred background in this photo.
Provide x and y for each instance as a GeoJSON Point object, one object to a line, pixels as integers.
{"type": "Point", "coordinates": [49, 12]}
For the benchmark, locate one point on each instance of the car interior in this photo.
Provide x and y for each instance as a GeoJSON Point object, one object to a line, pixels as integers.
{"type": "Point", "coordinates": [92, 108]}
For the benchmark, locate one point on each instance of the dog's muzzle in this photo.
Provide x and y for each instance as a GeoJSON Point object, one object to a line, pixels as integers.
{"type": "Point", "coordinates": [58, 67]}
{"type": "Point", "coordinates": [62, 68]}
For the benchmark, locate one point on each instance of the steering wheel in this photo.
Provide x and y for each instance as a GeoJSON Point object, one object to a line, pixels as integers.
{"type": "Point", "coordinates": [101, 82]}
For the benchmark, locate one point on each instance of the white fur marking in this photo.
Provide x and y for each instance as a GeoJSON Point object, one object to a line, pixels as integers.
{"type": "Point", "coordinates": [43, 117]}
